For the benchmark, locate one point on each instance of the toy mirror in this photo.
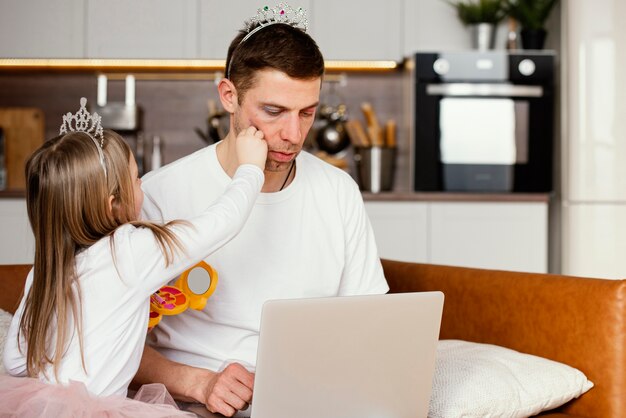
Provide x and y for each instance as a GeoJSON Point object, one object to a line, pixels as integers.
{"type": "Point", "coordinates": [199, 282]}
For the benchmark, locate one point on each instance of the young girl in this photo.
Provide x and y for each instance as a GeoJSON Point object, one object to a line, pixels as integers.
{"type": "Point", "coordinates": [84, 314]}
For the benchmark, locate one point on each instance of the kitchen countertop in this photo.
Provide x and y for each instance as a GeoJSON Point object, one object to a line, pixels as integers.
{"type": "Point", "coordinates": [406, 196]}
{"type": "Point", "coordinates": [456, 197]}
{"type": "Point", "coordinates": [12, 194]}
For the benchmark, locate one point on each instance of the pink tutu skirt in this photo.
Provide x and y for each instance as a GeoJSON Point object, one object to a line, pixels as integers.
{"type": "Point", "coordinates": [29, 398]}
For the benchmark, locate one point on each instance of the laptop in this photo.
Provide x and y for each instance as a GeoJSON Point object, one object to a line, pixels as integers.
{"type": "Point", "coordinates": [349, 356]}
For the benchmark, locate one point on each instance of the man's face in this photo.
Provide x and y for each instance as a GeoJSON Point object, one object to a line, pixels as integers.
{"type": "Point", "coordinates": [284, 109]}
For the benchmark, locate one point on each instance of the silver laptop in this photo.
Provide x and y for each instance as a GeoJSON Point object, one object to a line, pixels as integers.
{"type": "Point", "coordinates": [353, 356]}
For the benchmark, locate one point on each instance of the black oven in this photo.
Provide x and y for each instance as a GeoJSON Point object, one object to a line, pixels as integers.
{"type": "Point", "coordinates": [484, 121]}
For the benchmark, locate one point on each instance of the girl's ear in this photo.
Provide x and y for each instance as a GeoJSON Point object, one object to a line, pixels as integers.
{"type": "Point", "coordinates": [228, 95]}
{"type": "Point", "coordinates": [110, 204]}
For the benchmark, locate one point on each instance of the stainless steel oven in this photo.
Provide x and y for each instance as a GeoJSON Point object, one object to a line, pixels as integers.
{"type": "Point", "coordinates": [484, 121]}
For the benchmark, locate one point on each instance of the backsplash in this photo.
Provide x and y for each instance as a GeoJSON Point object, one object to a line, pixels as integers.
{"type": "Point", "coordinates": [172, 109]}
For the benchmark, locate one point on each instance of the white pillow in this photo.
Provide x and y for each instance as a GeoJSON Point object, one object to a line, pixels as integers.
{"type": "Point", "coordinates": [482, 380]}
{"type": "Point", "coordinates": [5, 322]}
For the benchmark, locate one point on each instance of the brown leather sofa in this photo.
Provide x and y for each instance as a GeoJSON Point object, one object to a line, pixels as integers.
{"type": "Point", "coordinates": [577, 321]}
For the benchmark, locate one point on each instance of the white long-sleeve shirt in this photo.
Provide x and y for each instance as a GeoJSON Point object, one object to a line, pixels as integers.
{"type": "Point", "coordinates": [115, 294]}
{"type": "Point", "coordinates": [312, 239]}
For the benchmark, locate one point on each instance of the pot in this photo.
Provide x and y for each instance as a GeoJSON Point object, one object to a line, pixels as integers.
{"type": "Point", "coordinates": [331, 136]}
{"type": "Point", "coordinates": [533, 38]}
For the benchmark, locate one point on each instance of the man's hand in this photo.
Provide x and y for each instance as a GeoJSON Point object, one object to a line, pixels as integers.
{"type": "Point", "coordinates": [230, 390]}
{"type": "Point", "coordinates": [225, 392]}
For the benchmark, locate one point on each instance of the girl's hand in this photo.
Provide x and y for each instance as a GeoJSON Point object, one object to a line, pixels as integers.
{"type": "Point", "coordinates": [251, 147]}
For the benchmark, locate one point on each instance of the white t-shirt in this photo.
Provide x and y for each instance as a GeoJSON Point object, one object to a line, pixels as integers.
{"type": "Point", "coordinates": [116, 294]}
{"type": "Point", "coordinates": [312, 239]}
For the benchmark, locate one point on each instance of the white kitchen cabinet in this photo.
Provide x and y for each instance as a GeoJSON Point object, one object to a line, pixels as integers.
{"type": "Point", "coordinates": [594, 140]}
{"type": "Point", "coordinates": [41, 29]}
{"type": "Point", "coordinates": [358, 29]}
{"type": "Point", "coordinates": [595, 245]}
{"type": "Point", "coordinates": [432, 25]}
{"type": "Point", "coordinates": [496, 235]}
{"type": "Point", "coordinates": [344, 30]}
{"type": "Point", "coordinates": [595, 101]}
{"type": "Point", "coordinates": [142, 29]}
{"type": "Point", "coordinates": [17, 244]}
{"type": "Point", "coordinates": [401, 229]}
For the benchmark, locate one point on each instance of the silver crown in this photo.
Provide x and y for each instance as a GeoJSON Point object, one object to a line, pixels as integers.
{"type": "Point", "coordinates": [266, 16]}
{"type": "Point", "coordinates": [281, 13]}
{"type": "Point", "coordinates": [83, 121]}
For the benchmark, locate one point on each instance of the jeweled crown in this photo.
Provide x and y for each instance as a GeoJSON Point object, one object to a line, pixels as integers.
{"type": "Point", "coordinates": [83, 121]}
{"type": "Point", "coordinates": [281, 13]}
{"type": "Point", "coordinates": [266, 16]}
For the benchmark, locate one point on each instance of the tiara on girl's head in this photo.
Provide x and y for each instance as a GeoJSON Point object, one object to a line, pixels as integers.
{"type": "Point", "coordinates": [281, 13]}
{"type": "Point", "coordinates": [266, 16]}
{"type": "Point", "coordinates": [82, 121]}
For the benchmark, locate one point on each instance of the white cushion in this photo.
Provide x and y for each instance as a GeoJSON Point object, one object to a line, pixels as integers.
{"type": "Point", "coordinates": [482, 380]}
{"type": "Point", "coordinates": [5, 322]}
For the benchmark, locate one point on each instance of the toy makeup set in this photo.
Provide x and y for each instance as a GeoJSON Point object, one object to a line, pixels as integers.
{"type": "Point", "coordinates": [191, 290]}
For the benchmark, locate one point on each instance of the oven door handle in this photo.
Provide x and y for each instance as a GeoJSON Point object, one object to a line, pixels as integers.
{"type": "Point", "coordinates": [483, 89]}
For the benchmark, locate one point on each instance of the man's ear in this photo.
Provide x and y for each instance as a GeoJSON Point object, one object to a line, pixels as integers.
{"type": "Point", "coordinates": [228, 95]}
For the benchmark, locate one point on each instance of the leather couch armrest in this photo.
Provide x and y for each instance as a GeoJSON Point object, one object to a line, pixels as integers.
{"type": "Point", "coordinates": [577, 321]}
{"type": "Point", "coordinates": [12, 279]}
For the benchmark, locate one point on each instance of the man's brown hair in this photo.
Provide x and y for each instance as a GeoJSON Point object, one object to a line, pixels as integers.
{"type": "Point", "coordinates": [279, 47]}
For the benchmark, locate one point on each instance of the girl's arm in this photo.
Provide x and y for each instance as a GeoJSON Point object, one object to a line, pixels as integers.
{"type": "Point", "coordinates": [199, 237]}
{"type": "Point", "coordinates": [14, 361]}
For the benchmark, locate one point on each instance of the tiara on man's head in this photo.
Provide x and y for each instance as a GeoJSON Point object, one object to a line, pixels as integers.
{"type": "Point", "coordinates": [267, 16]}
{"type": "Point", "coordinates": [281, 13]}
{"type": "Point", "coordinates": [87, 123]}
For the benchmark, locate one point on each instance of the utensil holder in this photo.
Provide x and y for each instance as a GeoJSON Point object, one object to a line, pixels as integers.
{"type": "Point", "coordinates": [375, 168]}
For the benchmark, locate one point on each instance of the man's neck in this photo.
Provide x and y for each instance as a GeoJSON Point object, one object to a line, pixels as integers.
{"type": "Point", "coordinates": [227, 156]}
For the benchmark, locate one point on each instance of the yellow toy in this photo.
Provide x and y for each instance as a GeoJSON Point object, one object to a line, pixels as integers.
{"type": "Point", "coordinates": [191, 290]}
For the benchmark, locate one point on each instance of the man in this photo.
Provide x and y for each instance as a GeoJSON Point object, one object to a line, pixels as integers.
{"type": "Point", "coordinates": [307, 236]}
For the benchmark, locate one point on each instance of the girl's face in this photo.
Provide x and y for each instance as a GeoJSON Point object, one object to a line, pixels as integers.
{"type": "Point", "coordinates": [138, 193]}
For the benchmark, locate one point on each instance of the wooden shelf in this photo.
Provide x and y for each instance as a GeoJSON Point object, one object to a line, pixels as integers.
{"type": "Point", "coordinates": [53, 65]}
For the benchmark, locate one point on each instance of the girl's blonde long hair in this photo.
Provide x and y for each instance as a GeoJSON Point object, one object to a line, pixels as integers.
{"type": "Point", "coordinates": [67, 200]}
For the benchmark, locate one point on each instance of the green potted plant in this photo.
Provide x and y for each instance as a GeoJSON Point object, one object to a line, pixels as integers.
{"type": "Point", "coordinates": [481, 16]}
{"type": "Point", "coordinates": [532, 16]}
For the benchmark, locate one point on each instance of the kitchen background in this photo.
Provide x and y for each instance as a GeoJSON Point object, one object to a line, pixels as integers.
{"type": "Point", "coordinates": [578, 229]}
